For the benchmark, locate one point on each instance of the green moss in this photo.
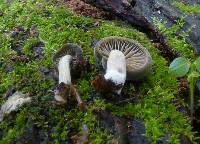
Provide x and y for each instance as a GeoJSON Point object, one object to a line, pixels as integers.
{"type": "Point", "coordinates": [4, 45]}
{"type": "Point", "coordinates": [160, 116]}
{"type": "Point", "coordinates": [62, 125]}
{"type": "Point", "coordinates": [96, 134]}
{"type": "Point", "coordinates": [13, 133]}
{"type": "Point", "coordinates": [187, 9]}
{"type": "Point", "coordinates": [29, 44]}
{"type": "Point", "coordinates": [56, 26]}
{"type": "Point", "coordinates": [90, 119]}
{"type": "Point", "coordinates": [100, 137]}
{"type": "Point", "coordinates": [84, 88]}
{"type": "Point", "coordinates": [164, 95]}
{"type": "Point", "coordinates": [178, 43]}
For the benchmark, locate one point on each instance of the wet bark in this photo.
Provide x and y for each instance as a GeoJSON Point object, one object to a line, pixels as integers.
{"type": "Point", "coordinates": [141, 13]}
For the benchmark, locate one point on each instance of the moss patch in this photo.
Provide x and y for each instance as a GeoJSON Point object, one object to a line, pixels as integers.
{"type": "Point", "coordinates": [56, 26]}
{"type": "Point", "coordinates": [176, 42]}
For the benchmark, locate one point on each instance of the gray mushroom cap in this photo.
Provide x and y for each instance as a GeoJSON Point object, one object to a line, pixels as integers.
{"type": "Point", "coordinates": [77, 56]}
{"type": "Point", "coordinates": [68, 49]}
{"type": "Point", "coordinates": [138, 59]}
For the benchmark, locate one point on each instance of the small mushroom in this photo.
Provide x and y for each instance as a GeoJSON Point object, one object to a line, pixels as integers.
{"type": "Point", "coordinates": [78, 64]}
{"type": "Point", "coordinates": [138, 59]}
{"type": "Point", "coordinates": [65, 59]}
{"type": "Point", "coordinates": [68, 49]}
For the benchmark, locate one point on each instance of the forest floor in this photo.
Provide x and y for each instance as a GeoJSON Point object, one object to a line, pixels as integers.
{"type": "Point", "coordinates": [148, 111]}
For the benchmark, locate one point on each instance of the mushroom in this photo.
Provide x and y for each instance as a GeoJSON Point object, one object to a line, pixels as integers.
{"type": "Point", "coordinates": [138, 59]}
{"type": "Point", "coordinates": [66, 60]}
{"type": "Point", "coordinates": [64, 69]}
{"type": "Point", "coordinates": [77, 63]}
{"type": "Point", "coordinates": [115, 75]}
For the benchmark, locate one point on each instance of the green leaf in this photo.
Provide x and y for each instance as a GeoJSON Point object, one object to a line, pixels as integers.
{"type": "Point", "coordinates": [197, 64]}
{"type": "Point", "coordinates": [179, 67]}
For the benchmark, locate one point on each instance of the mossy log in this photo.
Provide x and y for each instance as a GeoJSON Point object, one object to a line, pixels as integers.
{"type": "Point", "coordinates": [142, 12]}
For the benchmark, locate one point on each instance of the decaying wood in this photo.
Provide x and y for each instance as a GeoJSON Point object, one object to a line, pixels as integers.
{"type": "Point", "coordinates": [141, 13]}
{"type": "Point", "coordinates": [124, 9]}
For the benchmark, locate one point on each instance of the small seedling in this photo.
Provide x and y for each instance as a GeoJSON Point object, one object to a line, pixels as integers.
{"type": "Point", "coordinates": [181, 67]}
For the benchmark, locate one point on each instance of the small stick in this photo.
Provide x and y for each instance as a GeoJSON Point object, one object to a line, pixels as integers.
{"type": "Point", "coordinates": [74, 92]}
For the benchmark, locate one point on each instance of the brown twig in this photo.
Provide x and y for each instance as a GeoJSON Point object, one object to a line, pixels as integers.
{"type": "Point", "coordinates": [74, 93]}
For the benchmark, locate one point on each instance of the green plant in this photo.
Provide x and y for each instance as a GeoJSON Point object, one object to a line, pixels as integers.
{"type": "Point", "coordinates": [176, 41]}
{"type": "Point", "coordinates": [181, 67]}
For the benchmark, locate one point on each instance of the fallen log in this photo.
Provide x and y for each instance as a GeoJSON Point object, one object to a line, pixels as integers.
{"type": "Point", "coordinates": [141, 13]}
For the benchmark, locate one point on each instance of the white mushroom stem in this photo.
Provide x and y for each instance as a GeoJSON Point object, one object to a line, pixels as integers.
{"type": "Point", "coordinates": [64, 69]}
{"type": "Point", "coordinates": [64, 74]}
{"type": "Point", "coordinates": [65, 77]}
{"type": "Point", "coordinates": [116, 68]}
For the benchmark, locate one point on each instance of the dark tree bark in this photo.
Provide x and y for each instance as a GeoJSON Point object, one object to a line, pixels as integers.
{"type": "Point", "coordinates": [141, 13]}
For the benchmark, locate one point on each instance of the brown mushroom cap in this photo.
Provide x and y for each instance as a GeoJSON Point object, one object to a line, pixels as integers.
{"type": "Point", "coordinates": [68, 49]}
{"type": "Point", "coordinates": [138, 59]}
{"type": "Point", "coordinates": [76, 66]}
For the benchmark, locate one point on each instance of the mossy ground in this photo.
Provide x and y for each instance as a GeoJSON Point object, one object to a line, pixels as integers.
{"type": "Point", "coordinates": [56, 25]}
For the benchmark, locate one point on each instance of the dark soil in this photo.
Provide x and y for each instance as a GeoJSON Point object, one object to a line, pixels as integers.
{"type": "Point", "coordinates": [19, 36]}
{"type": "Point", "coordinates": [38, 51]}
{"type": "Point", "coordinates": [31, 135]}
{"type": "Point", "coordinates": [196, 120]}
{"type": "Point", "coordinates": [160, 43]}
{"type": "Point", "coordinates": [124, 130]}
{"type": "Point", "coordinates": [183, 87]}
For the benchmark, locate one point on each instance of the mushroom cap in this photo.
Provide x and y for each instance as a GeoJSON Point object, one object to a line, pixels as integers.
{"type": "Point", "coordinates": [68, 49]}
{"type": "Point", "coordinates": [78, 64]}
{"type": "Point", "coordinates": [138, 59]}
